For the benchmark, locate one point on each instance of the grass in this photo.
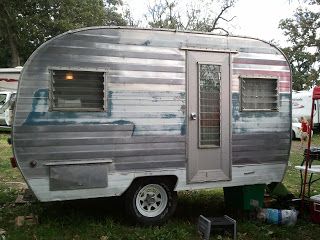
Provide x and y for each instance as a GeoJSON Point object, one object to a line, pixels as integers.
{"type": "Point", "coordinates": [292, 179]}
{"type": "Point", "coordinates": [104, 219]}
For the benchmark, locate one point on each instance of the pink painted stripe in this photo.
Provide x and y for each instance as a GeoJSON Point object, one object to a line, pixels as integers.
{"type": "Point", "coordinates": [284, 85]}
{"type": "Point", "coordinates": [260, 61]}
{"type": "Point", "coordinates": [262, 72]}
{"type": "Point", "coordinates": [285, 90]}
{"type": "Point", "coordinates": [284, 78]}
{"type": "Point", "coordinates": [8, 80]}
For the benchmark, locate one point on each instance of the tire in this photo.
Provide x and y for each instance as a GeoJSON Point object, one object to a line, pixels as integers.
{"type": "Point", "coordinates": [150, 201]}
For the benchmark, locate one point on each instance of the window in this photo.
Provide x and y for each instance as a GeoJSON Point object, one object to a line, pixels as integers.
{"type": "Point", "coordinates": [259, 94]}
{"type": "Point", "coordinates": [209, 105]}
{"type": "Point", "coordinates": [3, 98]}
{"type": "Point", "coordinates": [77, 90]}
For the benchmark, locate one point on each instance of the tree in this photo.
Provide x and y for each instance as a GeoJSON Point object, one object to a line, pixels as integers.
{"type": "Point", "coordinates": [164, 15]}
{"type": "Point", "coordinates": [303, 33]}
{"type": "Point", "coordinates": [8, 35]}
{"type": "Point", "coordinates": [209, 20]}
{"type": "Point", "coordinates": [199, 16]}
{"type": "Point", "coordinates": [127, 15]}
{"type": "Point", "coordinates": [25, 25]}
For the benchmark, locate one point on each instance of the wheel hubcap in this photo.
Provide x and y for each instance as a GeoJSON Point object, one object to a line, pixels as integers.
{"type": "Point", "coordinates": [151, 200]}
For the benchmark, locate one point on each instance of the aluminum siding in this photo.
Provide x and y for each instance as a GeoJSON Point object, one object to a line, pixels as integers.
{"type": "Point", "coordinates": [144, 126]}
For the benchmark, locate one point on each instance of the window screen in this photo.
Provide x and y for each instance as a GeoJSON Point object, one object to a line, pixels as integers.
{"type": "Point", "coordinates": [259, 94]}
{"type": "Point", "coordinates": [77, 91]}
{"type": "Point", "coordinates": [209, 105]}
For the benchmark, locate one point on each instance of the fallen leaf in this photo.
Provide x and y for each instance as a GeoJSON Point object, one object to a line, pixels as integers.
{"type": "Point", "coordinates": [270, 233]}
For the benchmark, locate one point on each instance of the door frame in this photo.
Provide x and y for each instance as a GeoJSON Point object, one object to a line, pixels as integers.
{"type": "Point", "coordinates": [188, 51]}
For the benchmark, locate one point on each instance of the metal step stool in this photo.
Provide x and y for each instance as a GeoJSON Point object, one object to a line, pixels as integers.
{"type": "Point", "coordinates": [205, 225]}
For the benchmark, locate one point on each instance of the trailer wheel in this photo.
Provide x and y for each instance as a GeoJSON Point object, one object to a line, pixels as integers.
{"type": "Point", "coordinates": [150, 201]}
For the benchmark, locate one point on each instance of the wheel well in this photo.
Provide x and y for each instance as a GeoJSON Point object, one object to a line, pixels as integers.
{"type": "Point", "coordinates": [171, 180]}
{"type": "Point", "coordinates": [293, 134]}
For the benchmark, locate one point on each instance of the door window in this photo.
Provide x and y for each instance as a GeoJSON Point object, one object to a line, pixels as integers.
{"type": "Point", "coordinates": [209, 105]}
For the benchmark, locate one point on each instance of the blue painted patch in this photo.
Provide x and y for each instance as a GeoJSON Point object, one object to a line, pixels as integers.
{"type": "Point", "coordinates": [146, 43]}
{"type": "Point", "coordinates": [69, 118]}
{"type": "Point", "coordinates": [237, 115]}
{"type": "Point", "coordinates": [183, 128]}
{"type": "Point", "coordinates": [235, 107]}
{"type": "Point", "coordinates": [182, 95]}
{"type": "Point", "coordinates": [168, 115]}
{"type": "Point", "coordinates": [41, 97]}
{"type": "Point", "coordinates": [121, 122]}
{"type": "Point", "coordinates": [109, 103]}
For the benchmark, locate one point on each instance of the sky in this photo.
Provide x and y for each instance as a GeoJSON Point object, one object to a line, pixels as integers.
{"type": "Point", "coordinates": [253, 18]}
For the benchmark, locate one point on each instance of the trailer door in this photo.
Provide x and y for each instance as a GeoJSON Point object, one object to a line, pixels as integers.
{"type": "Point", "coordinates": [209, 129]}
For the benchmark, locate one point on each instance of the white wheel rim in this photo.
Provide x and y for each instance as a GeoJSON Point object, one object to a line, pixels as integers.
{"type": "Point", "coordinates": [151, 200]}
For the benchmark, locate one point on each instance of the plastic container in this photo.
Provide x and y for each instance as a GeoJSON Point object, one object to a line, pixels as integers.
{"type": "Point", "coordinates": [278, 216]}
{"type": "Point", "coordinates": [244, 197]}
{"type": "Point", "coordinates": [315, 209]}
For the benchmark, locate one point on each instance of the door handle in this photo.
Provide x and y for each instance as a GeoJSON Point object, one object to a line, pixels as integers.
{"type": "Point", "coordinates": [193, 116]}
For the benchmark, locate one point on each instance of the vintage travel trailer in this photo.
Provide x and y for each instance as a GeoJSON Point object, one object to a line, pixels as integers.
{"type": "Point", "coordinates": [301, 106]}
{"type": "Point", "coordinates": [107, 111]}
{"type": "Point", "coordinates": [9, 78]}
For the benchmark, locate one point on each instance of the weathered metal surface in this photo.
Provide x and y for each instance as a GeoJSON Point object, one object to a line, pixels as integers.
{"type": "Point", "coordinates": [71, 177]}
{"type": "Point", "coordinates": [118, 181]}
{"type": "Point", "coordinates": [144, 125]}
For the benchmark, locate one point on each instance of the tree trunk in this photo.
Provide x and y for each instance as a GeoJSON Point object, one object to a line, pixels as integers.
{"type": "Point", "coordinates": [7, 25]}
{"type": "Point", "coordinates": [15, 58]}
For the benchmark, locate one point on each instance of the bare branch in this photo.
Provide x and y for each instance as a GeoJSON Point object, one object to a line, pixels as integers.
{"type": "Point", "coordinates": [198, 16]}
{"type": "Point", "coordinates": [228, 20]}
{"type": "Point", "coordinates": [228, 4]}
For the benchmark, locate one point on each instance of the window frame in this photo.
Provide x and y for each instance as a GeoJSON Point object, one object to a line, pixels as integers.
{"type": "Point", "coordinates": [51, 89]}
{"type": "Point", "coordinates": [244, 77]}
{"type": "Point", "coordinates": [207, 146]}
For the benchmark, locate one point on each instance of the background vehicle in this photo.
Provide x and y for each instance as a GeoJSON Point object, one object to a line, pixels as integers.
{"type": "Point", "coordinates": [9, 78]}
{"type": "Point", "coordinates": [301, 106]}
{"type": "Point", "coordinates": [6, 116]}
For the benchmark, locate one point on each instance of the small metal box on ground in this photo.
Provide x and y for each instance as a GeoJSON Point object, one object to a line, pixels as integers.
{"type": "Point", "coordinates": [206, 225]}
{"type": "Point", "coordinates": [315, 208]}
{"type": "Point", "coordinates": [244, 197]}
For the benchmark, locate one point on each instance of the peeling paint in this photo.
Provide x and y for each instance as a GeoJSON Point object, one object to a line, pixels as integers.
{"type": "Point", "coordinates": [183, 129]}
{"type": "Point", "coordinates": [168, 115]}
{"type": "Point", "coordinates": [109, 103]}
{"type": "Point", "coordinates": [146, 43]}
{"type": "Point", "coordinates": [121, 122]}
